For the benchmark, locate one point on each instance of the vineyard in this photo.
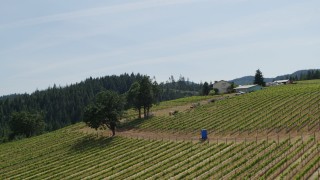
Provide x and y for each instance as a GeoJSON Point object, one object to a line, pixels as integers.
{"type": "Point", "coordinates": [69, 154]}
{"type": "Point", "coordinates": [291, 112]}
{"type": "Point", "coordinates": [282, 109]}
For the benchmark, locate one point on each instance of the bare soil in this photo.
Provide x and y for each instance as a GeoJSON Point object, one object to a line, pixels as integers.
{"type": "Point", "coordinates": [183, 108]}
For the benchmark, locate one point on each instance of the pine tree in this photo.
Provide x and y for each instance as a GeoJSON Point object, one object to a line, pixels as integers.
{"type": "Point", "coordinates": [205, 89]}
{"type": "Point", "coordinates": [258, 78]}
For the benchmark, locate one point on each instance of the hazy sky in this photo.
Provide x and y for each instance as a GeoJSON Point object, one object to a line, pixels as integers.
{"type": "Point", "coordinates": [43, 42]}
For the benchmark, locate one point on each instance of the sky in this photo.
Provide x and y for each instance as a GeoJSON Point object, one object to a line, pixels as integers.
{"type": "Point", "coordinates": [47, 42]}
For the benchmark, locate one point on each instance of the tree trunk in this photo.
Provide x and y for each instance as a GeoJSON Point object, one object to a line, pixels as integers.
{"type": "Point", "coordinates": [113, 128]}
{"type": "Point", "coordinates": [139, 113]}
{"type": "Point", "coordinates": [145, 112]}
{"type": "Point", "coordinates": [148, 109]}
{"type": "Point", "coordinates": [113, 132]}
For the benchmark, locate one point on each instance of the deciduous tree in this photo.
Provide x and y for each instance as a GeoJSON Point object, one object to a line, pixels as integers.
{"type": "Point", "coordinates": [143, 94]}
{"type": "Point", "coordinates": [105, 111]}
{"type": "Point", "coordinates": [133, 97]}
{"type": "Point", "coordinates": [26, 123]}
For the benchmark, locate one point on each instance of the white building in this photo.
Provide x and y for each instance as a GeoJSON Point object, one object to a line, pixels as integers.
{"type": "Point", "coordinates": [248, 88]}
{"type": "Point", "coordinates": [287, 81]}
{"type": "Point", "coordinates": [279, 82]}
{"type": "Point", "coordinates": [222, 86]}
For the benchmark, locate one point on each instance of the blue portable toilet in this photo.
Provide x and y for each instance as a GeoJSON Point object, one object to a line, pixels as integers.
{"type": "Point", "coordinates": [204, 134]}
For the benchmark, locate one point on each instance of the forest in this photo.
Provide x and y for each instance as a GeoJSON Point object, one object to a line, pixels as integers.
{"type": "Point", "coordinates": [62, 106]}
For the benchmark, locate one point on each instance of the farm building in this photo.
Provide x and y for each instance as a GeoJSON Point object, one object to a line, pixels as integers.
{"type": "Point", "coordinates": [287, 81]}
{"type": "Point", "coordinates": [222, 86]}
{"type": "Point", "coordinates": [279, 82]}
{"type": "Point", "coordinates": [268, 84]}
{"type": "Point", "coordinates": [248, 88]}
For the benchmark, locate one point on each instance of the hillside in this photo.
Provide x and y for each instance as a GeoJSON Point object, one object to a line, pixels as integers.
{"type": "Point", "coordinates": [299, 75]}
{"type": "Point", "coordinates": [285, 109]}
{"type": "Point", "coordinates": [248, 80]}
{"type": "Point", "coordinates": [270, 134]}
{"type": "Point", "coordinates": [70, 154]}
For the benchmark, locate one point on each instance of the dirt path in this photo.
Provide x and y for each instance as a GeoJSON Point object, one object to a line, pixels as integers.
{"type": "Point", "coordinates": [137, 134]}
{"type": "Point", "coordinates": [277, 137]}
{"type": "Point", "coordinates": [192, 137]}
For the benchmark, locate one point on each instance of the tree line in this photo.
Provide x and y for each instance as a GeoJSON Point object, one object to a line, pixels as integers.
{"type": "Point", "coordinates": [309, 75]}
{"type": "Point", "coordinates": [301, 75]}
{"type": "Point", "coordinates": [108, 106]}
{"type": "Point", "coordinates": [62, 106]}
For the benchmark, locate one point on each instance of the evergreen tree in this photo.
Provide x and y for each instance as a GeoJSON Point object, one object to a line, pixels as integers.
{"type": "Point", "coordinates": [316, 74]}
{"type": "Point", "coordinates": [205, 89]}
{"type": "Point", "coordinates": [309, 75]}
{"type": "Point", "coordinates": [258, 78]}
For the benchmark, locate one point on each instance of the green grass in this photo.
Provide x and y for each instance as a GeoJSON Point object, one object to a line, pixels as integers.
{"type": "Point", "coordinates": [132, 114]}
{"type": "Point", "coordinates": [181, 102]}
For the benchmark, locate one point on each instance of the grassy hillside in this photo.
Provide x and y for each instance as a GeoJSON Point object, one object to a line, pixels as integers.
{"type": "Point", "coordinates": [288, 109]}
{"type": "Point", "coordinates": [69, 154]}
{"type": "Point", "coordinates": [172, 104]}
{"type": "Point", "coordinates": [291, 111]}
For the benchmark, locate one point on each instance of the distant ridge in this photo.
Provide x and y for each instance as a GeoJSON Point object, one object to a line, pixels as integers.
{"type": "Point", "coordinates": [249, 79]}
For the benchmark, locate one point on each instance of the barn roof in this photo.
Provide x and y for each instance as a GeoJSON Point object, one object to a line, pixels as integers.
{"type": "Point", "coordinates": [246, 86]}
{"type": "Point", "coordinates": [281, 81]}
